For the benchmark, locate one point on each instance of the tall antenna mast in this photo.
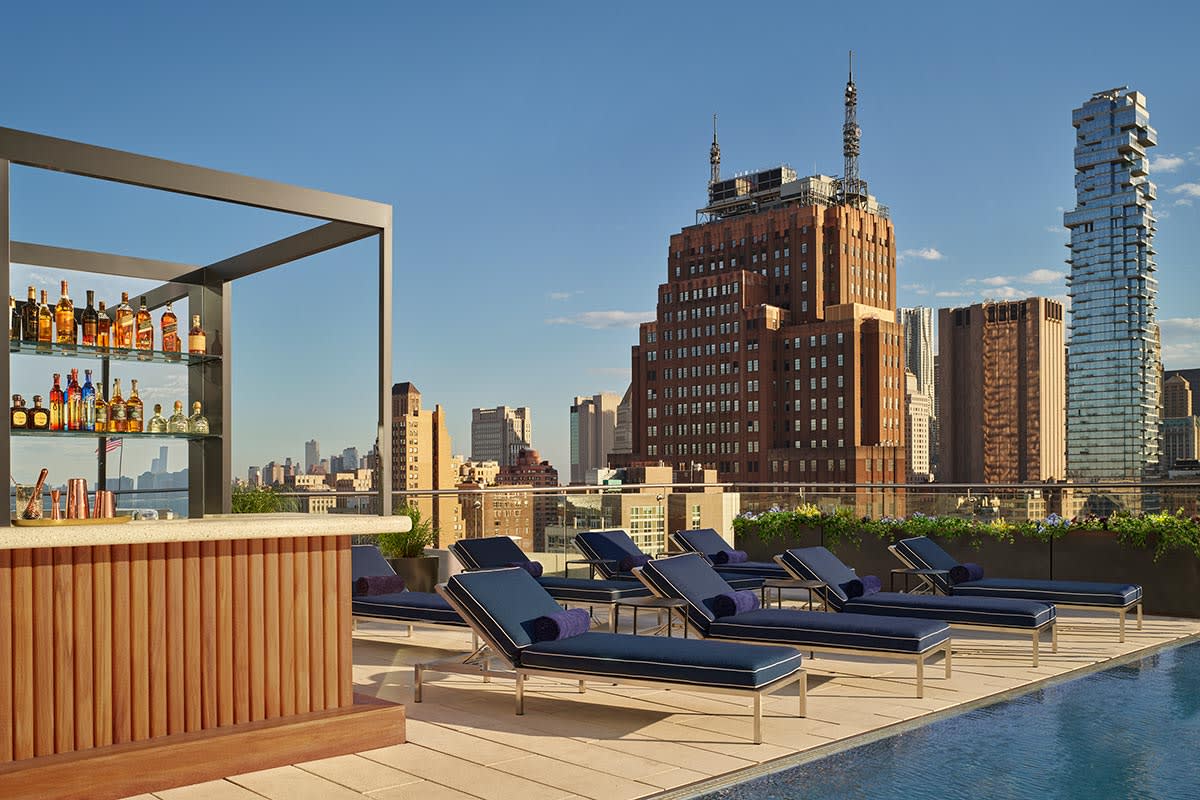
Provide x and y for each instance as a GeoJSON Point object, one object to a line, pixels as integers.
{"type": "Point", "coordinates": [714, 157]}
{"type": "Point", "coordinates": [854, 189]}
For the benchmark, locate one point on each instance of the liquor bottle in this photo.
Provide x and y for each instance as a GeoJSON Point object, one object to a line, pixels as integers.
{"type": "Point", "coordinates": [91, 320]}
{"type": "Point", "coordinates": [14, 320]}
{"type": "Point", "coordinates": [103, 329]}
{"type": "Point", "coordinates": [39, 416]}
{"type": "Point", "coordinates": [29, 318]}
{"type": "Point", "coordinates": [117, 412]}
{"type": "Point", "coordinates": [74, 402]}
{"type": "Point", "coordinates": [170, 334]}
{"type": "Point", "coordinates": [124, 324]}
{"type": "Point", "coordinates": [134, 410]}
{"type": "Point", "coordinates": [197, 341]}
{"type": "Point", "coordinates": [197, 422]}
{"type": "Point", "coordinates": [145, 328]}
{"type": "Point", "coordinates": [45, 324]}
{"type": "Point", "coordinates": [178, 423]}
{"type": "Point", "coordinates": [157, 423]}
{"type": "Point", "coordinates": [101, 410]}
{"type": "Point", "coordinates": [57, 405]}
{"type": "Point", "coordinates": [18, 417]}
{"type": "Point", "coordinates": [64, 320]}
{"type": "Point", "coordinates": [88, 397]}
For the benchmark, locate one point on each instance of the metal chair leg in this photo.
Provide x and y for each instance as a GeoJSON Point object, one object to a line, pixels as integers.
{"type": "Point", "coordinates": [520, 693]}
{"type": "Point", "coordinates": [921, 676]}
{"type": "Point", "coordinates": [418, 675]}
{"type": "Point", "coordinates": [758, 717]}
{"type": "Point", "coordinates": [1036, 637]}
{"type": "Point", "coordinates": [947, 659]}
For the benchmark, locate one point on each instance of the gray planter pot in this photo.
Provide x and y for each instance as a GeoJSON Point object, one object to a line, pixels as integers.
{"type": "Point", "coordinates": [420, 574]}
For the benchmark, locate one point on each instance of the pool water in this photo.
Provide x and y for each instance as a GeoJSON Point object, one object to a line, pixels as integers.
{"type": "Point", "coordinates": [1131, 731]}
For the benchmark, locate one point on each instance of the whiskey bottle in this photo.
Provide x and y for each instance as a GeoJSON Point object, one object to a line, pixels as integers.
{"type": "Point", "coordinates": [64, 320]}
{"type": "Point", "coordinates": [39, 416]}
{"type": "Point", "coordinates": [134, 410]}
{"type": "Point", "coordinates": [103, 329]}
{"type": "Point", "coordinates": [101, 410]}
{"type": "Point", "coordinates": [29, 318]}
{"type": "Point", "coordinates": [45, 324]}
{"type": "Point", "coordinates": [170, 334]}
{"type": "Point", "coordinates": [178, 423]}
{"type": "Point", "coordinates": [88, 398]}
{"type": "Point", "coordinates": [74, 402]}
{"type": "Point", "coordinates": [18, 417]}
{"type": "Point", "coordinates": [157, 423]}
{"type": "Point", "coordinates": [91, 320]}
{"type": "Point", "coordinates": [197, 341]}
{"type": "Point", "coordinates": [145, 328]}
{"type": "Point", "coordinates": [124, 324]}
{"type": "Point", "coordinates": [57, 405]}
{"type": "Point", "coordinates": [197, 422]}
{"type": "Point", "coordinates": [117, 413]}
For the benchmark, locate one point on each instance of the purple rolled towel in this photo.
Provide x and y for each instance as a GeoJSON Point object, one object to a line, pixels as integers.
{"type": "Point", "coordinates": [730, 557]}
{"type": "Point", "coordinates": [730, 604]}
{"type": "Point", "coordinates": [378, 584]}
{"type": "Point", "coordinates": [534, 568]}
{"type": "Point", "coordinates": [871, 584]}
{"type": "Point", "coordinates": [961, 573]}
{"type": "Point", "coordinates": [561, 625]}
{"type": "Point", "coordinates": [853, 588]}
{"type": "Point", "coordinates": [627, 563]}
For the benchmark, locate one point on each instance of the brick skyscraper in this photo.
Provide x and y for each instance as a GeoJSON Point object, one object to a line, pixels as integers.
{"type": "Point", "coordinates": [775, 353]}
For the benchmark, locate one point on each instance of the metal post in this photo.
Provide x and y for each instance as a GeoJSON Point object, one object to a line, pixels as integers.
{"type": "Point", "coordinates": [5, 371]}
{"type": "Point", "coordinates": [385, 369]}
{"type": "Point", "coordinates": [210, 471]}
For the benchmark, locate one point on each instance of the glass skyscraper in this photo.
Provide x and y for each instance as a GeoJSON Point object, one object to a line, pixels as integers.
{"type": "Point", "coordinates": [1113, 362]}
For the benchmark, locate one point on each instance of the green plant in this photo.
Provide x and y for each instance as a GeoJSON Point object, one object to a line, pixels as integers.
{"type": "Point", "coordinates": [410, 543]}
{"type": "Point", "coordinates": [260, 500]}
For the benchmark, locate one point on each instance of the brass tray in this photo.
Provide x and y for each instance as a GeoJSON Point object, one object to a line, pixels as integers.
{"type": "Point", "coordinates": [46, 522]}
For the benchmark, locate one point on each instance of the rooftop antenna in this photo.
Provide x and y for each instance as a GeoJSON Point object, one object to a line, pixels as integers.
{"type": "Point", "coordinates": [714, 157]}
{"type": "Point", "coordinates": [853, 188]}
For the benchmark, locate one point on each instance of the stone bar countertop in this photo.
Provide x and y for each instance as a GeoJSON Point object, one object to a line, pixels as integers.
{"type": "Point", "coordinates": [210, 528]}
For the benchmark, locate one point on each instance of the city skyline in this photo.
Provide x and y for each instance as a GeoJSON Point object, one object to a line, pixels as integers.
{"type": "Point", "coordinates": [969, 226]}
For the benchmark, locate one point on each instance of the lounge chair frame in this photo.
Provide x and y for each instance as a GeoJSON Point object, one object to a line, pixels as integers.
{"type": "Point", "coordinates": [800, 677]}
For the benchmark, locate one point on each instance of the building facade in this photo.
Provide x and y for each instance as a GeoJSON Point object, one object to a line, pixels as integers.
{"type": "Point", "coordinates": [422, 461]}
{"type": "Point", "coordinates": [497, 434]}
{"type": "Point", "coordinates": [1114, 367]}
{"type": "Point", "coordinates": [1002, 392]}
{"type": "Point", "coordinates": [593, 433]}
{"type": "Point", "coordinates": [312, 454]}
{"type": "Point", "coordinates": [530, 470]}
{"type": "Point", "coordinates": [493, 513]}
{"type": "Point", "coordinates": [919, 341]}
{"type": "Point", "coordinates": [918, 411]}
{"type": "Point", "coordinates": [1181, 427]}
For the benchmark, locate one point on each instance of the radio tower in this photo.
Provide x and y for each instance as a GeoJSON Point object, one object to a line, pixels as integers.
{"type": "Point", "coordinates": [714, 157]}
{"type": "Point", "coordinates": [854, 189]}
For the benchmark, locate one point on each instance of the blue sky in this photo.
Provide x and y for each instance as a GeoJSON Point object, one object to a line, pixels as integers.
{"type": "Point", "coordinates": [539, 155]}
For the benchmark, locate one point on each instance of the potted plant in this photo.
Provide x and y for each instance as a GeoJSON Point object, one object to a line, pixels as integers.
{"type": "Point", "coordinates": [405, 551]}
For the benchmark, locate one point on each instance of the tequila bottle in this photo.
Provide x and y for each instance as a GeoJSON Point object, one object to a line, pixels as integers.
{"type": "Point", "coordinates": [64, 320]}
{"type": "Point", "coordinates": [88, 398]}
{"type": "Point", "coordinates": [39, 415]}
{"type": "Point", "coordinates": [197, 422]}
{"type": "Point", "coordinates": [45, 324]}
{"type": "Point", "coordinates": [178, 423]}
{"type": "Point", "coordinates": [29, 318]}
{"type": "Point", "coordinates": [74, 402]}
{"type": "Point", "coordinates": [170, 334]}
{"type": "Point", "coordinates": [124, 324]}
{"type": "Point", "coordinates": [197, 341]}
{"type": "Point", "coordinates": [57, 405]}
{"type": "Point", "coordinates": [91, 320]}
{"type": "Point", "coordinates": [145, 328]}
{"type": "Point", "coordinates": [134, 410]}
{"type": "Point", "coordinates": [157, 423]}
{"type": "Point", "coordinates": [18, 417]}
{"type": "Point", "coordinates": [103, 329]}
{"type": "Point", "coordinates": [117, 419]}
{"type": "Point", "coordinates": [101, 410]}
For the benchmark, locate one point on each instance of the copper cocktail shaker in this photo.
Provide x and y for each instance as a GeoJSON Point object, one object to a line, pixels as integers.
{"type": "Point", "coordinates": [55, 508]}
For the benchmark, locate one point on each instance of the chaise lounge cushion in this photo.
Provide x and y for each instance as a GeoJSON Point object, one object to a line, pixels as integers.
{"type": "Point", "coordinates": [819, 629]}
{"type": "Point", "coordinates": [736, 666]}
{"type": "Point", "coordinates": [993, 612]}
{"type": "Point", "coordinates": [504, 603]}
{"type": "Point", "coordinates": [1078, 593]}
{"type": "Point", "coordinates": [406, 607]}
{"type": "Point", "coordinates": [615, 546]}
{"type": "Point", "coordinates": [489, 552]}
{"type": "Point", "coordinates": [708, 543]}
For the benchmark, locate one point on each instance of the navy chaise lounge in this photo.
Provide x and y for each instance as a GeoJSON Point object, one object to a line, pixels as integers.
{"type": "Point", "coordinates": [610, 548]}
{"type": "Point", "coordinates": [921, 552]}
{"type": "Point", "coordinates": [413, 608]}
{"type": "Point", "coordinates": [691, 578]}
{"type": "Point", "coordinates": [501, 606]}
{"type": "Point", "coordinates": [1003, 614]}
{"type": "Point", "coordinates": [500, 551]}
{"type": "Point", "coordinates": [708, 543]}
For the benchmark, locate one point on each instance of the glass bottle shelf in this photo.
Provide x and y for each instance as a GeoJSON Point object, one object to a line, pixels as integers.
{"type": "Point", "coordinates": [110, 435]}
{"type": "Point", "coordinates": [88, 351]}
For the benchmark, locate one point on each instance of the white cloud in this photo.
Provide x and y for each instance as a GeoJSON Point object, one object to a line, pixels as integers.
{"type": "Point", "coordinates": [1166, 163]}
{"type": "Point", "coordinates": [915, 288]}
{"type": "Point", "coordinates": [1056, 229]}
{"type": "Point", "coordinates": [1183, 201]}
{"type": "Point", "coordinates": [1187, 189]}
{"type": "Point", "coordinates": [947, 293]}
{"type": "Point", "coordinates": [923, 253]}
{"type": "Point", "coordinates": [1006, 293]}
{"type": "Point", "coordinates": [562, 295]}
{"type": "Point", "coordinates": [604, 319]}
{"type": "Point", "coordinates": [1044, 276]}
{"type": "Point", "coordinates": [994, 280]}
{"type": "Point", "coordinates": [1180, 341]}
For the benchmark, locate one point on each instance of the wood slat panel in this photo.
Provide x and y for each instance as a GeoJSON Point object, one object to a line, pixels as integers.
{"type": "Point", "coordinates": [6, 656]}
{"type": "Point", "coordinates": [43, 652]}
{"type": "Point", "coordinates": [316, 624]}
{"type": "Point", "coordinates": [23, 704]}
{"type": "Point", "coordinates": [192, 691]}
{"type": "Point", "coordinates": [156, 553]}
{"type": "Point", "coordinates": [139, 639]}
{"type": "Point", "coordinates": [300, 623]}
{"type": "Point", "coordinates": [84, 659]}
{"type": "Point", "coordinates": [257, 632]}
{"type": "Point", "coordinates": [241, 632]}
{"type": "Point", "coordinates": [102, 647]}
{"type": "Point", "coordinates": [330, 604]}
{"type": "Point", "coordinates": [224, 633]}
{"type": "Point", "coordinates": [271, 605]}
{"type": "Point", "coordinates": [287, 627]}
{"type": "Point", "coordinates": [208, 635]}
{"type": "Point", "coordinates": [122, 676]}
{"type": "Point", "coordinates": [345, 634]}
{"type": "Point", "coordinates": [64, 650]}
{"type": "Point", "coordinates": [176, 690]}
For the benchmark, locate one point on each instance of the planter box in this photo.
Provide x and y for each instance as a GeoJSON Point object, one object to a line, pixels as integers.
{"type": "Point", "coordinates": [758, 550]}
{"type": "Point", "coordinates": [420, 574]}
{"type": "Point", "coordinates": [1171, 584]}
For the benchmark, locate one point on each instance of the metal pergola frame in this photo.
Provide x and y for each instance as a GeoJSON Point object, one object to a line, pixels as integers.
{"type": "Point", "coordinates": [208, 288]}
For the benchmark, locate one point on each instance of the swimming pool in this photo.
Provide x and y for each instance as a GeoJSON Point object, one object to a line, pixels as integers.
{"type": "Point", "coordinates": [1131, 731]}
